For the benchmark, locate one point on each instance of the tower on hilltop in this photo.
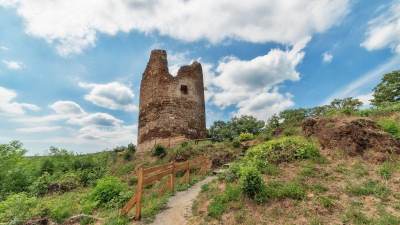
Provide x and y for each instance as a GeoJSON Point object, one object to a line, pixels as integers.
{"type": "Point", "coordinates": [171, 108]}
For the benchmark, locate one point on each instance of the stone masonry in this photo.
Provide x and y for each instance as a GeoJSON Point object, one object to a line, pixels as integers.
{"type": "Point", "coordinates": [171, 108]}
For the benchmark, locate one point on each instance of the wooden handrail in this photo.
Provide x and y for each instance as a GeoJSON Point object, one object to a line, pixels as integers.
{"type": "Point", "coordinates": [150, 175]}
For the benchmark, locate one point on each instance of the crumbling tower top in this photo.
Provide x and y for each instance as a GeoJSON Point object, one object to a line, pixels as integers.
{"type": "Point", "coordinates": [171, 109]}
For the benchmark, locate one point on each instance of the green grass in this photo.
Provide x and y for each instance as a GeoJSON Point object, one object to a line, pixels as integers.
{"type": "Point", "coordinates": [387, 169]}
{"type": "Point", "coordinates": [369, 187]}
{"type": "Point", "coordinates": [390, 126]}
{"type": "Point", "coordinates": [326, 201]}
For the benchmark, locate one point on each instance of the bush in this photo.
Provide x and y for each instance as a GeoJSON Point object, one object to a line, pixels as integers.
{"type": "Point", "coordinates": [251, 181]}
{"type": "Point", "coordinates": [108, 190]}
{"type": "Point", "coordinates": [246, 136]}
{"type": "Point", "coordinates": [17, 208]}
{"type": "Point", "coordinates": [219, 203]}
{"type": "Point", "coordinates": [129, 152]}
{"type": "Point", "coordinates": [390, 126]}
{"type": "Point", "coordinates": [236, 143]}
{"type": "Point", "coordinates": [284, 149]}
{"type": "Point", "coordinates": [159, 151]}
{"type": "Point", "coordinates": [40, 186]}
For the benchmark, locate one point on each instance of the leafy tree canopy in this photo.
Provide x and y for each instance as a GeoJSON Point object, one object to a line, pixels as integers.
{"type": "Point", "coordinates": [388, 90]}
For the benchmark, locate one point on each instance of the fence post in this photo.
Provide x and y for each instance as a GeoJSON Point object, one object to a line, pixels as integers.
{"type": "Point", "coordinates": [139, 190]}
{"type": "Point", "coordinates": [172, 178]}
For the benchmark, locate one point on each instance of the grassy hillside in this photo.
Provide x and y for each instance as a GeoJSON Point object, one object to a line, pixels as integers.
{"type": "Point", "coordinates": [293, 178]}
{"type": "Point", "coordinates": [63, 184]}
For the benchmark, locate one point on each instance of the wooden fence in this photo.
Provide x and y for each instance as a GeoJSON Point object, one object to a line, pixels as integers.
{"type": "Point", "coordinates": [150, 175]}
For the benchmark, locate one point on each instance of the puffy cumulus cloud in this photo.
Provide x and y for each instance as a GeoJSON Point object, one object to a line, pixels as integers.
{"type": "Point", "coordinates": [8, 105]}
{"type": "Point", "coordinates": [67, 107]}
{"type": "Point", "coordinates": [113, 95]}
{"type": "Point", "coordinates": [73, 25]}
{"type": "Point", "coordinates": [13, 65]}
{"type": "Point", "coordinates": [384, 30]}
{"type": "Point", "coordinates": [327, 57]}
{"type": "Point", "coordinates": [251, 85]}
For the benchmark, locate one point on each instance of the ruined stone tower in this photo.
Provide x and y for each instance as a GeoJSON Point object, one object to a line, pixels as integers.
{"type": "Point", "coordinates": [171, 108]}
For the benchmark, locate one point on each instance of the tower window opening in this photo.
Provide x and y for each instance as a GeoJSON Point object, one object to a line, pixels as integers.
{"type": "Point", "coordinates": [184, 89]}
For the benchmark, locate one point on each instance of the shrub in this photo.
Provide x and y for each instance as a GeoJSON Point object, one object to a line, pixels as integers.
{"type": "Point", "coordinates": [17, 208]}
{"type": "Point", "coordinates": [159, 151]}
{"type": "Point", "coordinates": [390, 126]}
{"type": "Point", "coordinates": [129, 152]}
{"type": "Point", "coordinates": [219, 203]}
{"type": "Point", "coordinates": [61, 210]}
{"type": "Point", "coordinates": [216, 208]}
{"type": "Point", "coordinates": [108, 189]}
{"type": "Point", "coordinates": [40, 186]}
{"type": "Point", "coordinates": [284, 149]}
{"type": "Point", "coordinates": [246, 136]}
{"type": "Point", "coordinates": [236, 143]}
{"type": "Point", "coordinates": [251, 181]}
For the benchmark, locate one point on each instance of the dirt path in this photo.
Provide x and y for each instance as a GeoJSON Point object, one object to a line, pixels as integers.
{"type": "Point", "coordinates": [180, 205]}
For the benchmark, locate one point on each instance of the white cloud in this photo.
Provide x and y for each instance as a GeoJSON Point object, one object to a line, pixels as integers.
{"type": "Point", "coordinates": [112, 95]}
{"type": "Point", "coordinates": [384, 30]}
{"type": "Point", "coordinates": [327, 57]}
{"type": "Point", "coordinates": [38, 129]}
{"type": "Point", "coordinates": [13, 65]}
{"type": "Point", "coordinates": [366, 81]}
{"type": "Point", "coordinates": [3, 48]}
{"type": "Point", "coordinates": [67, 108]}
{"type": "Point", "coordinates": [8, 105]}
{"type": "Point", "coordinates": [251, 85]}
{"type": "Point", "coordinates": [365, 98]}
{"type": "Point", "coordinates": [73, 25]}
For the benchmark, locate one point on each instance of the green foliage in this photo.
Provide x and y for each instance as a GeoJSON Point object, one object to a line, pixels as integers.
{"type": "Point", "coordinates": [388, 90]}
{"type": "Point", "coordinates": [246, 136]}
{"type": "Point", "coordinates": [346, 105]}
{"type": "Point", "coordinates": [221, 130]}
{"type": "Point", "coordinates": [386, 170]}
{"type": "Point", "coordinates": [326, 201]}
{"type": "Point", "coordinates": [251, 181]}
{"type": "Point", "coordinates": [391, 126]}
{"type": "Point", "coordinates": [17, 208]}
{"type": "Point", "coordinates": [117, 220]}
{"type": "Point", "coordinates": [369, 188]}
{"type": "Point", "coordinates": [280, 190]}
{"type": "Point", "coordinates": [284, 149]}
{"type": "Point", "coordinates": [159, 151]}
{"type": "Point", "coordinates": [219, 203]}
{"type": "Point", "coordinates": [108, 190]}
{"type": "Point", "coordinates": [236, 143]}
{"type": "Point", "coordinates": [40, 186]}
{"type": "Point", "coordinates": [129, 152]}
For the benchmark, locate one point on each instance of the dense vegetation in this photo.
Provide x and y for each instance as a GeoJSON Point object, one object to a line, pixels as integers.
{"type": "Point", "coordinates": [281, 165]}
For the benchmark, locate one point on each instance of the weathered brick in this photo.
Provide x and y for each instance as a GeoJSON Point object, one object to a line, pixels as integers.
{"type": "Point", "coordinates": [171, 108]}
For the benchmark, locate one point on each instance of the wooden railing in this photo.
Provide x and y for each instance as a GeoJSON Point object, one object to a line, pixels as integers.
{"type": "Point", "coordinates": [150, 175]}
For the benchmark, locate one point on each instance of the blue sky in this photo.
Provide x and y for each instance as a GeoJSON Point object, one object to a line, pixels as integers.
{"type": "Point", "coordinates": [70, 70]}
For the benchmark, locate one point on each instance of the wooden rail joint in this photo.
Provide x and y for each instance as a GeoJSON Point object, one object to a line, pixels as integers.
{"type": "Point", "coordinates": [150, 175]}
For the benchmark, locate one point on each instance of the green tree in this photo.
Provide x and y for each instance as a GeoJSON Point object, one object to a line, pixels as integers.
{"type": "Point", "coordinates": [293, 117]}
{"type": "Point", "coordinates": [388, 90]}
{"type": "Point", "coordinates": [346, 105]}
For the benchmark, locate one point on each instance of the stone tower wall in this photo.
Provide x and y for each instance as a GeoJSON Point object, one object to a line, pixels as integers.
{"type": "Point", "coordinates": [171, 109]}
